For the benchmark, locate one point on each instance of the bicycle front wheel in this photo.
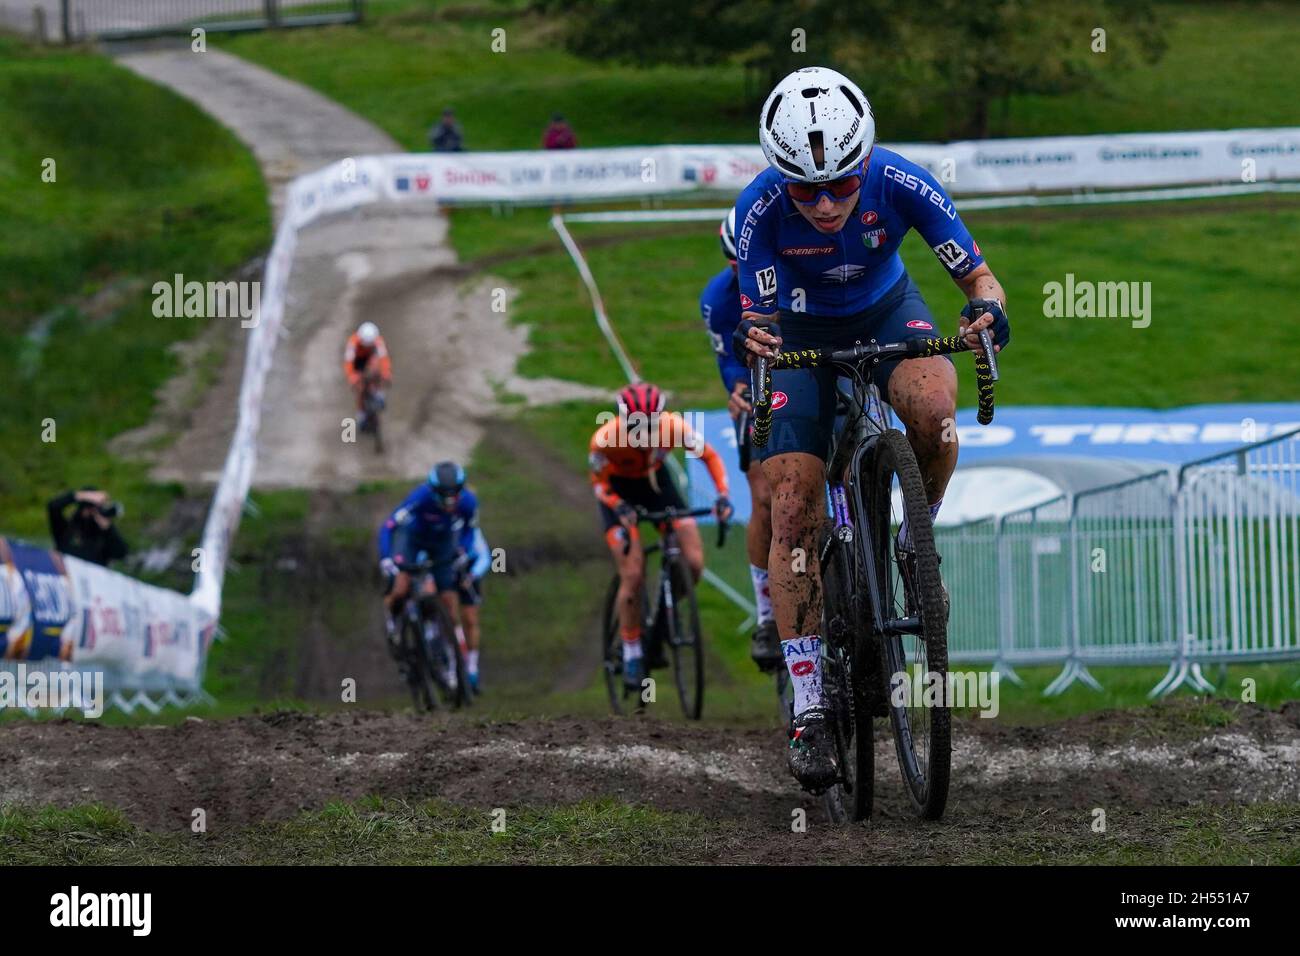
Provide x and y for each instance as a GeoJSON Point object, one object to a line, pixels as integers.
{"type": "Point", "coordinates": [419, 675]}
{"type": "Point", "coordinates": [845, 646]}
{"type": "Point", "coordinates": [462, 695]}
{"type": "Point", "coordinates": [611, 649]}
{"type": "Point", "coordinates": [914, 644]}
{"type": "Point", "coordinates": [685, 641]}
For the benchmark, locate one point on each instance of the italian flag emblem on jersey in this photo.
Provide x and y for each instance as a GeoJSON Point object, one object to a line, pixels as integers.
{"type": "Point", "coordinates": [874, 239]}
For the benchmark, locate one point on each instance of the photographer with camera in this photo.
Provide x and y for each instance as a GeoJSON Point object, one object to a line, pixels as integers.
{"type": "Point", "coordinates": [90, 534]}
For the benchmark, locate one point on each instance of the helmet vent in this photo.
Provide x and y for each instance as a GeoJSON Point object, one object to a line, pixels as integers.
{"type": "Point", "coordinates": [771, 110]}
{"type": "Point", "coordinates": [851, 158]}
{"type": "Point", "coordinates": [818, 146]}
{"type": "Point", "coordinates": [848, 95]}
{"type": "Point", "coordinates": [788, 166]}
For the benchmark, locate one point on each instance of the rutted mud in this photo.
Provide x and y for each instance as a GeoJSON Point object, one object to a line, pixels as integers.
{"type": "Point", "coordinates": [1006, 779]}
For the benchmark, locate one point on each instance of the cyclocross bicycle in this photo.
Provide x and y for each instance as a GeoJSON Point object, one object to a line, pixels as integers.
{"type": "Point", "coordinates": [373, 405]}
{"type": "Point", "coordinates": [672, 623]}
{"type": "Point", "coordinates": [431, 656]}
{"type": "Point", "coordinates": [884, 611]}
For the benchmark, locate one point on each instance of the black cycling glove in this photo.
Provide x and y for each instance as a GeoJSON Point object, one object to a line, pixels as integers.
{"type": "Point", "coordinates": [1001, 328]}
{"type": "Point", "coordinates": [739, 337]}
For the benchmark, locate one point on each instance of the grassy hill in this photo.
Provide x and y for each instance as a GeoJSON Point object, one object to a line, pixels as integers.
{"type": "Point", "coordinates": [144, 185]}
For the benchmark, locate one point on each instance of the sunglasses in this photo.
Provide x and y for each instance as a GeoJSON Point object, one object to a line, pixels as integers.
{"type": "Point", "coordinates": [808, 194]}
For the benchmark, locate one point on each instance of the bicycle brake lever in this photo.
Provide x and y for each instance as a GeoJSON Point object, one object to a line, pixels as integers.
{"type": "Point", "coordinates": [986, 342]}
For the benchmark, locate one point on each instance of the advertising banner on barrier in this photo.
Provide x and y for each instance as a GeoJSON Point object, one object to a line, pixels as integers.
{"type": "Point", "coordinates": [57, 607]}
{"type": "Point", "coordinates": [1174, 435]}
{"type": "Point", "coordinates": [1053, 163]}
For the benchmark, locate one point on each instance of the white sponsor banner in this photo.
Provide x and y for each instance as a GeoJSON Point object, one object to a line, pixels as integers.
{"type": "Point", "coordinates": [971, 166]}
{"type": "Point", "coordinates": [1115, 161]}
{"type": "Point", "coordinates": [140, 636]}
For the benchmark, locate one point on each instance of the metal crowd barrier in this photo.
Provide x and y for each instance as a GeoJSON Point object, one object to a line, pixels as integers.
{"type": "Point", "coordinates": [1182, 569]}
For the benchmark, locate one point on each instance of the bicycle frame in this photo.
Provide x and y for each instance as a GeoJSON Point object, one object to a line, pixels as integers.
{"type": "Point", "coordinates": [671, 550]}
{"type": "Point", "coordinates": [852, 456]}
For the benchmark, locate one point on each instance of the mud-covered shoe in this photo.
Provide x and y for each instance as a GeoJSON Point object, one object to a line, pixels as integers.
{"type": "Point", "coordinates": [812, 751]}
{"type": "Point", "coordinates": [765, 647]}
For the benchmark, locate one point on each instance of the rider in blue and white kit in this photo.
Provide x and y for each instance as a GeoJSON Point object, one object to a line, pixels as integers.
{"type": "Point", "coordinates": [720, 309]}
{"type": "Point", "coordinates": [818, 264]}
{"type": "Point", "coordinates": [438, 519]}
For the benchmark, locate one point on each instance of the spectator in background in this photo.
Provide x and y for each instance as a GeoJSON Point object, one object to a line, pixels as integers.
{"type": "Point", "coordinates": [446, 136]}
{"type": "Point", "coordinates": [90, 534]}
{"type": "Point", "coordinates": [559, 135]}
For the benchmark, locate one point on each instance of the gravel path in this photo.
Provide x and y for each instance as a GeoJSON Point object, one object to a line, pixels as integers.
{"type": "Point", "coordinates": [391, 264]}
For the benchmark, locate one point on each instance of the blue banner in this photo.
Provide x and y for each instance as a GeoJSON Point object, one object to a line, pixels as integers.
{"type": "Point", "coordinates": [1172, 436]}
{"type": "Point", "coordinates": [50, 594]}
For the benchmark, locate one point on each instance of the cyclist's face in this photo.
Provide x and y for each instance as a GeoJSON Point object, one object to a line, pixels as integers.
{"type": "Point", "coordinates": [829, 215]}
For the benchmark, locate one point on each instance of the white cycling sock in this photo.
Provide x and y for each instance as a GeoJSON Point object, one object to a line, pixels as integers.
{"type": "Point", "coordinates": [631, 650]}
{"type": "Point", "coordinates": [803, 658]}
{"type": "Point", "coordinates": [904, 538]}
{"type": "Point", "coordinates": [471, 662]}
{"type": "Point", "coordinates": [762, 593]}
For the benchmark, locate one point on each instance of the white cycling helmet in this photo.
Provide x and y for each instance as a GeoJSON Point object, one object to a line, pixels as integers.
{"type": "Point", "coordinates": [816, 106]}
{"type": "Point", "coordinates": [727, 232]}
{"type": "Point", "coordinates": [367, 333]}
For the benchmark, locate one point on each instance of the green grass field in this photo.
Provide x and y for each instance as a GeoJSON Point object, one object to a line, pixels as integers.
{"type": "Point", "coordinates": [604, 832]}
{"type": "Point", "coordinates": [144, 186]}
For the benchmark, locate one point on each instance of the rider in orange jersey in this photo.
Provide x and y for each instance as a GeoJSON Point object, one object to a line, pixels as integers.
{"type": "Point", "coordinates": [367, 365]}
{"type": "Point", "coordinates": [628, 458]}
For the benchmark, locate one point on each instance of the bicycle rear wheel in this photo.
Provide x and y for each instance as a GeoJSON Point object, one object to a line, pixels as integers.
{"type": "Point", "coordinates": [914, 645]}
{"type": "Point", "coordinates": [684, 639]}
{"type": "Point", "coordinates": [784, 697]}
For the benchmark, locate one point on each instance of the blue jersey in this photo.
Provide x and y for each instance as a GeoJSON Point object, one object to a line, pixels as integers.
{"type": "Point", "coordinates": [420, 523]}
{"type": "Point", "coordinates": [720, 308]}
{"type": "Point", "coordinates": [787, 264]}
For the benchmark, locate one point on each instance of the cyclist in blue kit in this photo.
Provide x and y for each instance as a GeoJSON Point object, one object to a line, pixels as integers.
{"type": "Point", "coordinates": [818, 267]}
{"type": "Point", "coordinates": [438, 520]}
{"type": "Point", "coordinates": [720, 309]}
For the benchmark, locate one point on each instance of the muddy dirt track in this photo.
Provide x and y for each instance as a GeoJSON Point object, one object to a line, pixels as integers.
{"type": "Point", "coordinates": [1035, 786]}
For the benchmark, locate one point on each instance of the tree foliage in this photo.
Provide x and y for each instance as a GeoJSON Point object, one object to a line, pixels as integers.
{"type": "Point", "coordinates": [967, 56]}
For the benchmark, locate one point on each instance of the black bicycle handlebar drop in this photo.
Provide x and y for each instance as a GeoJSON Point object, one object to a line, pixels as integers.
{"type": "Point", "coordinates": [985, 370]}
{"type": "Point", "coordinates": [742, 433]}
{"type": "Point", "coordinates": [668, 514]}
{"type": "Point", "coordinates": [762, 381]}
